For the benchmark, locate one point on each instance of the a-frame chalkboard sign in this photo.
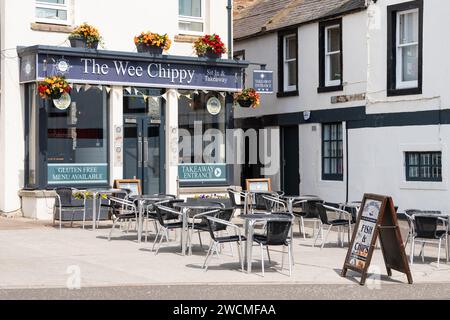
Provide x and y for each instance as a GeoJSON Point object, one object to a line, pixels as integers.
{"type": "Point", "coordinates": [377, 218]}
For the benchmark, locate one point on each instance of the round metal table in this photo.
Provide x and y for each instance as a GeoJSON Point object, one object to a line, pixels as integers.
{"type": "Point", "coordinates": [141, 200]}
{"type": "Point", "coordinates": [250, 220]}
{"type": "Point", "coordinates": [185, 207]}
{"type": "Point", "coordinates": [95, 193]}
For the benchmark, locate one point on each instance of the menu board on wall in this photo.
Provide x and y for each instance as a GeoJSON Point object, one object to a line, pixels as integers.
{"type": "Point", "coordinates": [377, 219]}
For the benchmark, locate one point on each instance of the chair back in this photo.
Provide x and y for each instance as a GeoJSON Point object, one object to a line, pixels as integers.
{"type": "Point", "coordinates": [222, 214]}
{"type": "Point", "coordinates": [165, 215]}
{"type": "Point", "coordinates": [278, 231]}
{"type": "Point", "coordinates": [232, 194]}
{"type": "Point", "coordinates": [323, 215]}
{"type": "Point", "coordinates": [65, 195]}
{"type": "Point", "coordinates": [311, 209]}
{"type": "Point", "coordinates": [425, 226]}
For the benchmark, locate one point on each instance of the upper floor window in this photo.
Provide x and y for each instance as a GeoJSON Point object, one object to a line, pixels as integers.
{"type": "Point", "coordinates": [288, 64]}
{"type": "Point", "coordinates": [405, 48]}
{"type": "Point", "coordinates": [53, 11]}
{"type": "Point", "coordinates": [330, 39]}
{"type": "Point", "coordinates": [191, 16]}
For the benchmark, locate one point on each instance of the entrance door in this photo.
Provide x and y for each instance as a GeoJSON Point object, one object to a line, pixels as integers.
{"type": "Point", "coordinates": [142, 153]}
{"type": "Point", "coordinates": [290, 161]}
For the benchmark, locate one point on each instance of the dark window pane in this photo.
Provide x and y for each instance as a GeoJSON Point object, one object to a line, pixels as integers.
{"type": "Point", "coordinates": [333, 37]}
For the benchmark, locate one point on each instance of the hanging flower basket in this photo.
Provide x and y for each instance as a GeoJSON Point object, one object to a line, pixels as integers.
{"type": "Point", "coordinates": [53, 87]}
{"type": "Point", "coordinates": [210, 46]}
{"type": "Point", "coordinates": [85, 36]}
{"type": "Point", "coordinates": [248, 98]}
{"type": "Point", "coordinates": [153, 43]}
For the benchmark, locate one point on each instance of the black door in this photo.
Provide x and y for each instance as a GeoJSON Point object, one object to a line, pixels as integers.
{"type": "Point", "coordinates": [142, 153]}
{"type": "Point", "coordinates": [290, 173]}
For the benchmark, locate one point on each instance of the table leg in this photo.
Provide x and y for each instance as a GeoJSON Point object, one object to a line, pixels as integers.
{"type": "Point", "coordinates": [249, 244]}
{"type": "Point", "coordinates": [291, 206]}
{"type": "Point", "coordinates": [140, 222]}
{"type": "Point", "coordinates": [183, 232]}
{"type": "Point", "coordinates": [94, 210]}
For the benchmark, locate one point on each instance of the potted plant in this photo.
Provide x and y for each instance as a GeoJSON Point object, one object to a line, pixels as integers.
{"type": "Point", "coordinates": [153, 43]}
{"type": "Point", "coordinates": [85, 36]}
{"type": "Point", "coordinates": [53, 87]}
{"type": "Point", "coordinates": [210, 46]}
{"type": "Point", "coordinates": [248, 98]}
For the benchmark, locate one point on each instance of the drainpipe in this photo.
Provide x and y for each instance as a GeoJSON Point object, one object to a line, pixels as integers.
{"type": "Point", "coordinates": [230, 29]}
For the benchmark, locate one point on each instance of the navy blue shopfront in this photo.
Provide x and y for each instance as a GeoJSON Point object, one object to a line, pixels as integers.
{"type": "Point", "coordinates": [74, 147]}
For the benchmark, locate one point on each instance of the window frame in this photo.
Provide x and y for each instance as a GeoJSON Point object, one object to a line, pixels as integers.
{"type": "Point", "coordinates": [57, 6]}
{"type": "Point", "coordinates": [325, 84]}
{"type": "Point", "coordinates": [420, 166]}
{"type": "Point", "coordinates": [394, 58]}
{"type": "Point", "coordinates": [332, 176]}
{"type": "Point", "coordinates": [283, 89]}
{"type": "Point", "coordinates": [201, 19]}
{"type": "Point", "coordinates": [400, 84]}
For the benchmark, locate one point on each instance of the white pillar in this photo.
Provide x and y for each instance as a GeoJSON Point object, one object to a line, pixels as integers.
{"type": "Point", "coordinates": [171, 127]}
{"type": "Point", "coordinates": [116, 133]}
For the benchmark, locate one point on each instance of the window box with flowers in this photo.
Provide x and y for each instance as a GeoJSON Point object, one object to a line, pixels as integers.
{"type": "Point", "coordinates": [85, 36]}
{"type": "Point", "coordinates": [210, 46]}
{"type": "Point", "coordinates": [152, 43]}
{"type": "Point", "coordinates": [248, 98]}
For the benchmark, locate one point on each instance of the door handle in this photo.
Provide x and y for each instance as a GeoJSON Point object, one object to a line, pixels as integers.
{"type": "Point", "coordinates": [146, 163]}
{"type": "Point", "coordinates": [139, 159]}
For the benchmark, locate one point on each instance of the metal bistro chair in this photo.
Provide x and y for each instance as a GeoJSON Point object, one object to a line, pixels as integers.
{"type": "Point", "coordinates": [425, 230]}
{"type": "Point", "coordinates": [64, 202]}
{"type": "Point", "coordinates": [123, 211]}
{"type": "Point", "coordinates": [199, 222]}
{"type": "Point", "coordinates": [277, 234]}
{"type": "Point", "coordinates": [169, 220]}
{"type": "Point", "coordinates": [217, 223]}
{"type": "Point", "coordinates": [150, 211]}
{"type": "Point", "coordinates": [310, 212]}
{"type": "Point", "coordinates": [339, 223]}
{"type": "Point", "coordinates": [241, 196]}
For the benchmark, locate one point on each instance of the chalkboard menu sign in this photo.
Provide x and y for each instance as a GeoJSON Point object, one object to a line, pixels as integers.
{"type": "Point", "coordinates": [134, 185]}
{"type": "Point", "coordinates": [377, 218]}
{"type": "Point", "coordinates": [258, 185]}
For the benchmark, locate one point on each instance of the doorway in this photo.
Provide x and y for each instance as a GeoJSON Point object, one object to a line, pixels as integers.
{"type": "Point", "coordinates": [142, 153]}
{"type": "Point", "coordinates": [290, 160]}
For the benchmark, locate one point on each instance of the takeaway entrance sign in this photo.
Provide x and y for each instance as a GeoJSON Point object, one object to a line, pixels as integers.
{"type": "Point", "coordinates": [377, 219]}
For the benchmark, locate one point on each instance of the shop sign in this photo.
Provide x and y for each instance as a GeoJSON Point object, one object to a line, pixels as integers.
{"type": "Point", "coordinates": [214, 106]}
{"type": "Point", "coordinates": [263, 81]}
{"type": "Point", "coordinates": [208, 172]}
{"type": "Point", "coordinates": [110, 71]}
{"type": "Point", "coordinates": [66, 174]}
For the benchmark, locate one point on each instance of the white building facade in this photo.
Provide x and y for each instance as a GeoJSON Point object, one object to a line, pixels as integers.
{"type": "Point", "coordinates": [127, 107]}
{"type": "Point", "coordinates": [362, 86]}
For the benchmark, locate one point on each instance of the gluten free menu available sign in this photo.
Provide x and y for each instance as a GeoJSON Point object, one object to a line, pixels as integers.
{"type": "Point", "coordinates": [66, 174]}
{"type": "Point", "coordinates": [365, 235]}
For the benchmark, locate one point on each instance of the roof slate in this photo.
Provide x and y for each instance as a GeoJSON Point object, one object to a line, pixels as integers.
{"type": "Point", "coordinates": [263, 16]}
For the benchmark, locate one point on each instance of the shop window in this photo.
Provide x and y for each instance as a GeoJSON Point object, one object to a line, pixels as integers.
{"type": "Point", "coordinates": [332, 152]}
{"type": "Point", "coordinates": [53, 11]}
{"type": "Point", "coordinates": [191, 16]}
{"type": "Point", "coordinates": [423, 166]}
{"type": "Point", "coordinates": [405, 24]}
{"type": "Point", "coordinates": [203, 119]}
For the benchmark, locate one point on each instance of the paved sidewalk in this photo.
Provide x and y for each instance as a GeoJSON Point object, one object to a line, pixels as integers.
{"type": "Point", "coordinates": [36, 255]}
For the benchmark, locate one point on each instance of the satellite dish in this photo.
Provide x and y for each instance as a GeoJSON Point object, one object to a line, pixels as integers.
{"type": "Point", "coordinates": [63, 102]}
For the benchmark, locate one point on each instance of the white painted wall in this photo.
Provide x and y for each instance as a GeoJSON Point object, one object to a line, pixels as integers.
{"type": "Point", "coordinates": [264, 49]}
{"type": "Point", "coordinates": [436, 65]}
{"type": "Point", "coordinates": [377, 165]}
{"type": "Point", "coordinates": [118, 23]}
